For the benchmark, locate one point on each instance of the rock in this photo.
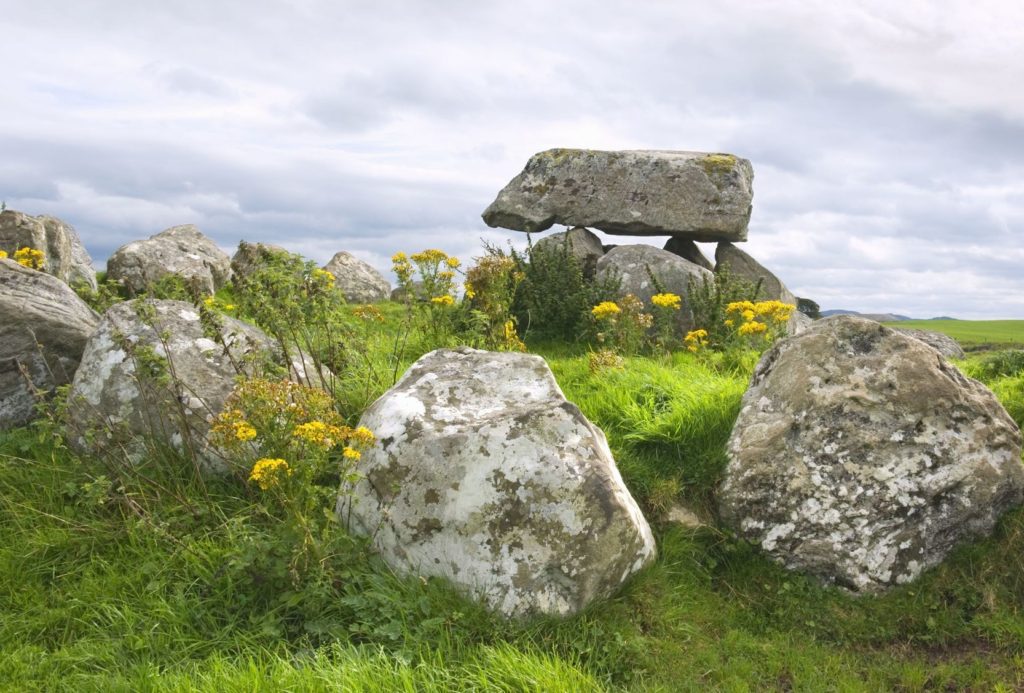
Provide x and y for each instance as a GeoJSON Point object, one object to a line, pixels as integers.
{"type": "Point", "coordinates": [679, 514]}
{"type": "Point", "coordinates": [64, 256]}
{"type": "Point", "coordinates": [704, 197]}
{"type": "Point", "coordinates": [485, 475]}
{"type": "Point", "coordinates": [581, 244]}
{"type": "Point", "coordinates": [398, 294]}
{"type": "Point", "coordinates": [357, 280]}
{"type": "Point", "coordinates": [688, 250]}
{"type": "Point", "coordinates": [942, 343]}
{"type": "Point", "coordinates": [249, 256]}
{"type": "Point", "coordinates": [180, 250]}
{"type": "Point", "coordinates": [106, 393]}
{"type": "Point", "coordinates": [44, 330]}
{"type": "Point", "coordinates": [862, 457]}
{"type": "Point", "coordinates": [798, 323]}
{"type": "Point", "coordinates": [630, 263]}
{"type": "Point", "coordinates": [742, 266]}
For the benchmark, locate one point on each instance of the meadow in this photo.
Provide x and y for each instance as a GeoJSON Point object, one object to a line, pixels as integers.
{"type": "Point", "coordinates": [106, 587]}
{"type": "Point", "coordinates": [973, 334]}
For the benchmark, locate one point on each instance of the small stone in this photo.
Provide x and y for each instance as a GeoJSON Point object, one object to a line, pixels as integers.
{"type": "Point", "coordinates": [358, 280]}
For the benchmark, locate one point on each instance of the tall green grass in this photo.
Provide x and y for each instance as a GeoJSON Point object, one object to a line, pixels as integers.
{"type": "Point", "coordinates": [972, 333]}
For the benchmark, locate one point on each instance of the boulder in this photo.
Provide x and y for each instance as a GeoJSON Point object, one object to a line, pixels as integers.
{"type": "Point", "coordinates": [942, 343]}
{"type": "Point", "coordinates": [44, 330]}
{"type": "Point", "coordinates": [180, 250]}
{"type": "Point", "coordinates": [398, 294]}
{"type": "Point", "coordinates": [111, 405]}
{"type": "Point", "coordinates": [357, 280]}
{"type": "Point", "coordinates": [64, 256]}
{"type": "Point", "coordinates": [485, 475]}
{"type": "Point", "coordinates": [580, 243]}
{"type": "Point", "coordinates": [704, 197]}
{"type": "Point", "coordinates": [742, 266]}
{"type": "Point", "coordinates": [634, 264]}
{"type": "Point", "coordinates": [862, 457]}
{"type": "Point", "coordinates": [688, 250]}
{"type": "Point", "coordinates": [249, 256]}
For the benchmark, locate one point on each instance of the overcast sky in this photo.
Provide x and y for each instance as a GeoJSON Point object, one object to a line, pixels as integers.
{"type": "Point", "coordinates": [887, 138]}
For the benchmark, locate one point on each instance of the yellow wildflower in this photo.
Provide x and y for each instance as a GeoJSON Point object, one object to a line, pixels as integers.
{"type": "Point", "coordinates": [605, 309]}
{"type": "Point", "coordinates": [351, 453]}
{"type": "Point", "coordinates": [728, 323]}
{"type": "Point", "coordinates": [209, 301]}
{"type": "Point", "coordinates": [512, 340]}
{"type": "Point", "coordinates": [267, 472]}
{"type": "Point", "coordinates": [748, 315]}
{"type": "Point", "coordinates": [368, 313]}
{"type": "Point", "coordinates": [446, 275]}
{"type": "Point", "coordinates": [3, 254]}
{"type": "Point", "coordinates": [323, 275]}
{"type": "Point", "coordinates": [431, 255]}
{"type": "Point", "coordinates": [399, 258]}
{"type": "Point", "coordinates": [244, 430]}
{"type": "Point", "coordinates": [230, 306]}
{"type": "Point", "coordinates": [29, 257]}
{"type": "Point", "coordinates": [453, 262]}
{"type": "Point", "coordinates": [752, 327]}
{"type": "Point", "coordinates": [445, 300]}
{"type": "Point", "coordinates": [469, 290]}
{"type": "Point", "coordinates": [696, 339]}
{"type": "Point", "coordinates": [363, 436]}
{"type": "Point", "coordinates": [666, 301]}
{"type": "Point", "coordinates": [319, 433]}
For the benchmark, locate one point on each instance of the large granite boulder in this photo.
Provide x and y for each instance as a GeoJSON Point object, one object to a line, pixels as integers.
{"type": "Point", "coordinates": [119, 398]}
{"type": "Point", "coordinates": [251, 256]}
{"type": "Point", "coordinates": [180, 250]}
{"type": "Point", "coordinates": [942, 343]}
{"type": "Point", "coordinates": [357, 280]}
{"type": "Point", "coordinates": [688, 250]}
{"type": "Point", "coordinates": [43, 332]}
{"type": "Point", "coordinates": [579, 243]}
{"type": "Point", "coordinates": [862, 457]}
{"type": "Point", "coordinates": [634, 265]}
{"type": "Point", "coordinates": [742, 266]}
{"type": "Point", "coordinates": [705, 197]}
{"type": "Point", "coordinates": [484, 474]}
{"type": "Point", "coordinates": [64, 256]}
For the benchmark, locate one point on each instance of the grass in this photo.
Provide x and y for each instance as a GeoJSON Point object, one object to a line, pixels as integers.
{"type": "Point", "coordinates": [973, 334]}
{"type": "Point", "coordinates": [104, 588]}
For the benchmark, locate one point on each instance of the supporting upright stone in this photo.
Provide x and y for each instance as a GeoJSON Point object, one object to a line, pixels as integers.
{"type": "Point", "coordinates": [696, 195]}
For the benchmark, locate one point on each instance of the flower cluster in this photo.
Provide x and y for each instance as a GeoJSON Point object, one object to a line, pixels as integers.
{"type": "Point", "coordinates": [30, 257]}
{"type": "Point", "coordinates": [368, 313]}
{"type": "Point", "coordinates": [3, 254]}
{"type": "Point", "coordinates": [606, 309]}
{"type": "Point", "coordinates": [268, 472]}
{"type": "Point", "coordinates": [667, 300]}
{"type": "Point", "coordinates": [765, 318]}
{"type": "Point", "coordinates": [696, 340]}
{"type": "Point", "coordinates": [603, 359]}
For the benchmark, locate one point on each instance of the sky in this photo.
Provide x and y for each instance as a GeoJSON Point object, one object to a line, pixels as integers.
{"type": "Point", "coordinates": [887, 139]}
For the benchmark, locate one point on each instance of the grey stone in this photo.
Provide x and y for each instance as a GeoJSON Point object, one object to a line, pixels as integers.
{"type": "Point", "coordinates": [743, 266]}
{"type": "Point", "coordinates": [634, 264]}
{"type": "Point", "coordinates": [485, 475]}
{"type": "Point", "coordinates": [64, 256]}
{"type": "Point", "coordinates": [110, 407]}
{"type": "Point", "coordinates": [688, 250]}
{"type": "Point", "coordinates": [399, 293]}
{"type": "Point", "coordinates": [580, 243]}
{"type": "Point", "coordinates": [704, 197]}
{"type": "Point", "coordinates": [43, 332]}
{"type": "Point", "coordinates": [180, 250]}
{"type": "Point", "coordinates": [249, 256]}
{"type": "Point", "coordinates": [942, 343]}
{"type": "Point", "coordinates": [357, 280]}
{"type": "Point", "coordinates": [862, 457]}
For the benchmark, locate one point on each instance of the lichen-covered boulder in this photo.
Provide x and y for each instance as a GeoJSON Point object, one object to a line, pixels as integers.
{"type": "Point", "coordinates": [357, 280]}
{"type": "Point", "coordinates": [579, 243]}
{"type": "Point", "coordinates": [862, 457]}
{"type": "Point", "coordinates": [64, 256]}
{"type": "Point", "coordinates": [704, 197]}
{"type": "Point", "coordinates": [743, 266]}
{"type": "Point", "coordinates": [485, 475]}
{"type": "Point", "coordinates": [119, 396]}
{"type": "Point", "coordinates": [688, 250]}
{"type": "Point", "coordinates": [43, 332]}
{"type": "Point", "coordinates": [942, 343]}
{"type": "Point", "coordinates": [250, 256]}
{"type": "Point", "coordinates": [182, 251]}
{"type": "Point", "coordinates": [634, 265]}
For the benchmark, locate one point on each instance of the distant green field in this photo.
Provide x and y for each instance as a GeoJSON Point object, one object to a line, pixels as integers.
{"type": "Point", "coordinates": [972, 332]}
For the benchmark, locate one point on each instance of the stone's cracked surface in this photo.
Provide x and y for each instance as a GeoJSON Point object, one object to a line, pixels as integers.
{"type": "Point", "coordinates": [44, 329]}
{"type": "Point", "coordinates": [357, 280]}
{"type": "Point", "coordinates": [634, 265]}
{"type": "Point", "coordinates": [861, 457]}
{"type": "Point", "coordinates": [180, 250]}
{"type": "Point", "coordinates": [64, 256]}
{"type": "Point", "coordinates": [106, 392]}
{"type": "Point", "coordinates": [704, 197]}
{"type": "Point", "coordinates": [485, 475]}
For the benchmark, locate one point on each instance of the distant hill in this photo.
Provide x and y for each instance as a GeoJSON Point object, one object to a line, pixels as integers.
{"type": "Point", "coordinates": [880, 317]}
